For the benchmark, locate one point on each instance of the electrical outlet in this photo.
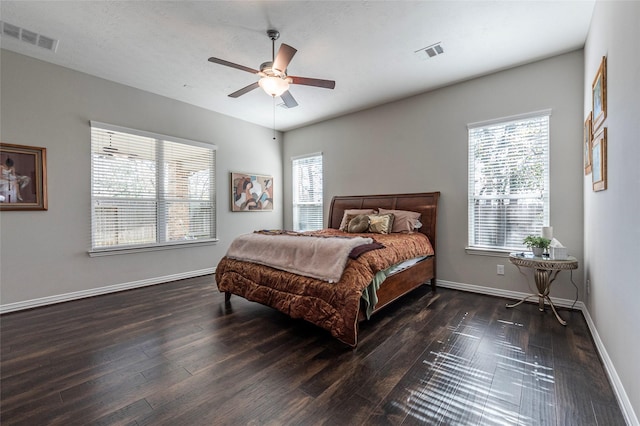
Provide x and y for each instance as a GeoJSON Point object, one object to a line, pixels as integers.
{"type": "Point", "coordinates": [588, 286]}
{"type": "Point", "coordinates": [500, 269]}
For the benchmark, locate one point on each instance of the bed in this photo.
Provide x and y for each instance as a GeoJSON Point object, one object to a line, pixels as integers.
{"type": "Point", "coordinates": [368, 282]}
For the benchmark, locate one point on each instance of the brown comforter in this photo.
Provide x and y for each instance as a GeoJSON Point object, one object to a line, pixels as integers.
{"type": "Point", "coordinates": [332, 306]}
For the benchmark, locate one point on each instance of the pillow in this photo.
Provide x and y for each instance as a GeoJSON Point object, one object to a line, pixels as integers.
{"type": "Point", "coordinates": [404, 221]}
{"type": "Point", "coordinates": [359, 224]}
{"type": "Point", "coordinates": [381, 223]}
{"type": "Point", "coordinates": [350, 214]}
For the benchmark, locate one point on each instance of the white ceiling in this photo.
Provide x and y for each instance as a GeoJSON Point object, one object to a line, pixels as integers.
{"type": "Point", "coordinates": [367, 47]}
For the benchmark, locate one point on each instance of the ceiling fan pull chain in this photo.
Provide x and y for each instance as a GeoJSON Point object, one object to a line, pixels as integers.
{"type": "Point", "coordinates": [274, 118]}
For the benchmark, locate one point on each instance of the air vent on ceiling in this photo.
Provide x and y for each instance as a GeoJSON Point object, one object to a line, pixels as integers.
{"type": "Point", "coordinates": [27, 36]}
{"type": "Point", "coordinates": [432, 50]}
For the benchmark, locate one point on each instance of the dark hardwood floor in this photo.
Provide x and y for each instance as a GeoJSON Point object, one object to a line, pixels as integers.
{"type": "Point", "coordinates": [175, 354]}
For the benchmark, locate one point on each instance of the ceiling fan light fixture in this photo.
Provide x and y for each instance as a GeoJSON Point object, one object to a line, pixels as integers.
{"type": "Point", "coordinates": [272, 76]}
{"type": "Point", "coordinates": [274, 86]}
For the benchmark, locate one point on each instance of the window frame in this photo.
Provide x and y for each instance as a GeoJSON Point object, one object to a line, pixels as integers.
{"type": "Point", "coordinates": [503, 251]}
{"type": "Point", "coordinates": [294, 202]}
{"type": "Point", "coordinates": [162, 199]}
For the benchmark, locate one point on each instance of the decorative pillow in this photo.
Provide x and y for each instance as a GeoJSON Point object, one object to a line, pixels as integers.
{"type": "Point", "coordinates": [359, 224]}
{"type": "Point", "coordinates": [380, 223]}
{"type": "Point", "coordinates": [404, 221]}
{"type": "Point", "coordinates": [350, 214]}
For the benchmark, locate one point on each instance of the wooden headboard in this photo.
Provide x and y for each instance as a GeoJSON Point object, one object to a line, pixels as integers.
{"type": "Point", "coordinates": [425, 203]}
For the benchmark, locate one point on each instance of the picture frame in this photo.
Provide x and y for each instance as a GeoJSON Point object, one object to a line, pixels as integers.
{"type": "Point", "coordinates": [251, 192]}
{"type": "Point", "coordinates": [23, 181]}
{"type": "Point", "coordinates": [599, 158]}
{"type": "Point", "coordinates": [586, 144]}
{"type": "Point", "coordinates": [599, 96]}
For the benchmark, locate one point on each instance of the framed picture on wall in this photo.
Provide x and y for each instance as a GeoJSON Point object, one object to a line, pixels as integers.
{"type": "Point", "coordinates": [599, 95]}
{"type": "Point", "coordinates": [586, 145]}
{"type": "Point", "coordinates": [251, 192]}
{"type": "Point", "coordinates": [23, 183]}
{"type": "Point", "coordinates": [599, 158]}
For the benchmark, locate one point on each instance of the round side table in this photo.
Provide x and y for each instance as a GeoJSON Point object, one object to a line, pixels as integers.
{"type": "Point", "coordinates": [545, 272]}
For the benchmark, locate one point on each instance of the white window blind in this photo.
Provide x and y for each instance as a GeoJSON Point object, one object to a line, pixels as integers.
{"type": "Point", "coordinates": [307, 192]}
{"type": "Point", "coordinates": [508, 181]}
{"type": "Point", "coordinates": [149, 189]}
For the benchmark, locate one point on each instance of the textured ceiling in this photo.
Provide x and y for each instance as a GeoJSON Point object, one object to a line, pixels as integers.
{"type": "Point", "coordinates": [367, 47]}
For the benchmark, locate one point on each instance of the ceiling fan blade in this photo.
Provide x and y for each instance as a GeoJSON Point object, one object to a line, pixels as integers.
{"type": "Point", "coordinates": [244, 90]}
{"type": "Point", "coordinates": [327, 84]}
{"type": "Point", "coordinates": [232, 65]}
{"type": "Point", "coordinates": [288, 99]}
{"type": "Point", "coordinates": [284, 56]}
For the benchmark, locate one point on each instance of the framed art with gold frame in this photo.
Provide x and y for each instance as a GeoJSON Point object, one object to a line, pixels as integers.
{"type": "Point", "coordinates": [23, 183]}
{"type": "Point", "coordinates": [599, 158]}
{"type": "Point", "coordinates": [586, 144]}
{"type": "Point", "coordinates": [599, 95]}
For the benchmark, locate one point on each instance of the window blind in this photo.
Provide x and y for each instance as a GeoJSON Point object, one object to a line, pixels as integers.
{"type": "Point", "coordinates": [508, 181]}
{"type": "Point", "coordinates": [307, 192]}
{"type": "Point", "coordinates": [149, 190]}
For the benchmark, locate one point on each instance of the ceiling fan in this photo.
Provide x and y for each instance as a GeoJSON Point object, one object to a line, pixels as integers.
{"type": "Point", "coordinates": [273, 75]}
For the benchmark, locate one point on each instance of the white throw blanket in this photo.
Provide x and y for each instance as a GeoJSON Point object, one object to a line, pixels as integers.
{"type": "Point", "coordinates": [315, 257]}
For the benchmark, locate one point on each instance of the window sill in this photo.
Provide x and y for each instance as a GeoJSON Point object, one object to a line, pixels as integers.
{"type": "Point", "coordinates": [488, 251]}
{"type": "Point", "coordinates": [141, 249]}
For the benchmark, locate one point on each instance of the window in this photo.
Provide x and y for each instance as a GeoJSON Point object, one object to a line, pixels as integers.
{"type": "Point", "coordinates": [508, 181]}
{"type": "Point", "coordinates": [149, 190]}
{"type": "Point", "coordinates": [307, 192]}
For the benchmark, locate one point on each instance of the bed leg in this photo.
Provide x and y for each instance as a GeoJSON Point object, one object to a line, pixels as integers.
{"type": "Point", "coordinates": [433, 285]}
{"type": "Point", "coordinates": [227, 297]}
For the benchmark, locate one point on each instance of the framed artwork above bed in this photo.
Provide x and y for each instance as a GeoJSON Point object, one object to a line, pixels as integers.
{"type": "Point", "coordinates": [251, 192]}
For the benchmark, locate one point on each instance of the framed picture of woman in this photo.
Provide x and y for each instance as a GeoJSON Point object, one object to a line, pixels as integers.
{"type": "Point", "coordinates": [23, 179]}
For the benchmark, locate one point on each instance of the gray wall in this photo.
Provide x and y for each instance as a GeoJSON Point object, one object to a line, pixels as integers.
{"type": "Point", "coordinates": [611, 217]}
{"type": "Point", "coordinates": [44, 253]}
{"type": "Point", "coordinates": [420, 144]}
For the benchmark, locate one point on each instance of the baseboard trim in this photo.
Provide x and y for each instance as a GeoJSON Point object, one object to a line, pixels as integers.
{"type": "Point", "coordinates": [67, 297]}
{"type": "Point", "coordinates": [623, 398]}
{"type": "Point", "coordinates": [490, 291]}
{"type": "Point", "coordinates": [618, 388]}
